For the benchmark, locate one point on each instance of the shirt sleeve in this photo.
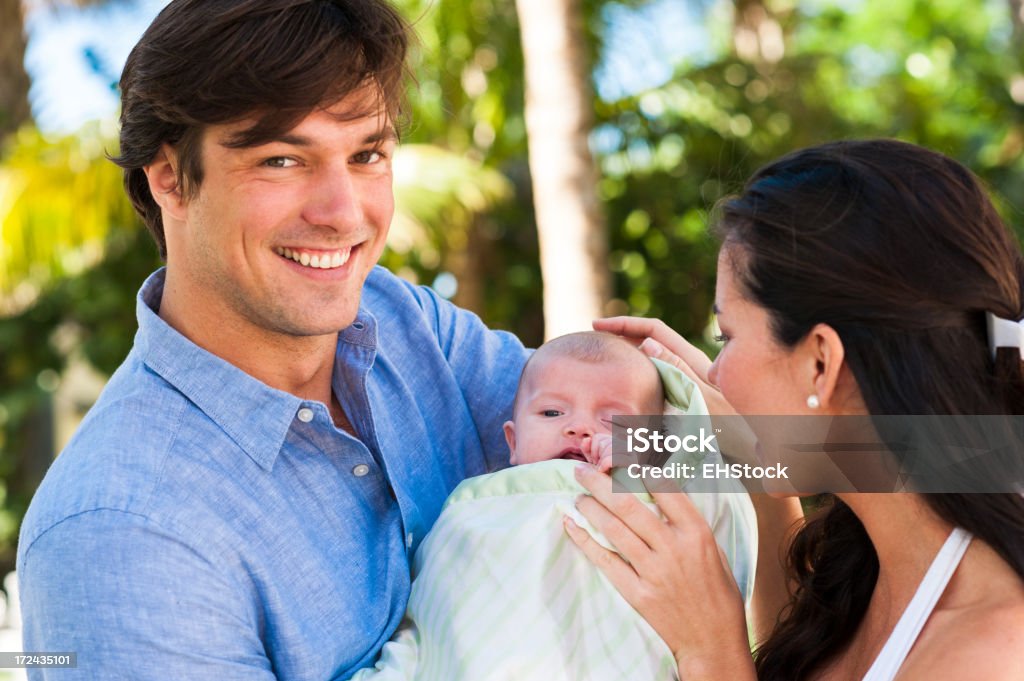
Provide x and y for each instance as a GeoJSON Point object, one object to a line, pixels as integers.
{"type": "Point", "coordinates": [486, 364]}
{"type": "Point", "coordinates": [135, 602]}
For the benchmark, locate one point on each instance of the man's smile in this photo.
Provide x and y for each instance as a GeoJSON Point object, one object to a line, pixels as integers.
{"type": "Point", "coordinates": [317, 259]}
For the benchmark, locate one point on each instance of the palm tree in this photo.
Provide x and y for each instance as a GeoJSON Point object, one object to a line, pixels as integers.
{"type": "Point", "coordinates": [559, 107]}
{"type": "Point", "coordinates": [14, 110]}
{"type": "Point", "coordinates": [14, 81]}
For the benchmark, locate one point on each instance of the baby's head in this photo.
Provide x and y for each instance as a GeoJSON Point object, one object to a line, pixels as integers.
{"type": "Point", "coordinates": [571, 388]}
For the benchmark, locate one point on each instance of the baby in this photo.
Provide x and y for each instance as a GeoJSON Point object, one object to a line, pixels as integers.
{"type": "Point", "coordinates": [570, 390]}
{"type": "Point", "coordinates": [499, 592]}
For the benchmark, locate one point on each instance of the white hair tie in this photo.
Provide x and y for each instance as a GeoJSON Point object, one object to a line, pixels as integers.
{"type": "Point", "coordinates": [1004, 333]}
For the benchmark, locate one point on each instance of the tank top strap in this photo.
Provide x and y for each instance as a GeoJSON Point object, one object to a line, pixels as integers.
{"type": "Point", "coordinates": [910, 624]}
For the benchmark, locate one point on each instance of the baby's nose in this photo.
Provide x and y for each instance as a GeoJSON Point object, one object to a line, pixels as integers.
{"type": "Point", "coordinates": [580, 429]}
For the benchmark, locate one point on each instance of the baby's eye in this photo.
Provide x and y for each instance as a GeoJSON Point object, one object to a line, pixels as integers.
{"type": "Point", "coordinates": [550, 413]}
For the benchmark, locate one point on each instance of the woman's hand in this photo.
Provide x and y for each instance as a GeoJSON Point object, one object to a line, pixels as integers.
{"type": "Point", "coordinates": [657, 340]}
{"type": "Point", "coordinates": [672, 572]}
{"type": "Point", "coordinates": [777, 519]}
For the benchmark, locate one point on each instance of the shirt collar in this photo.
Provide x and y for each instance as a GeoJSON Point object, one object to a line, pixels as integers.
{"type": "Point", "coordinates": [254, 415]}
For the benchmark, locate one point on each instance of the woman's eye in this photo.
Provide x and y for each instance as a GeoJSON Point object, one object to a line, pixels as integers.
{"type": "Point", "coordinates": [280, 162]}
{"type": "Point", "coordinates": [721, 338]}
{"type": "Point", "coordinates": [551, 413]}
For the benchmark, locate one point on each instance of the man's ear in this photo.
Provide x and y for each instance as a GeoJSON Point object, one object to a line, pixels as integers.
{"type": "Point", "coordinates": [162, 174]}
{"type": "Point", "coordinates": [827, 352]}
{"type": "Point", "coordinates": [510, 438]}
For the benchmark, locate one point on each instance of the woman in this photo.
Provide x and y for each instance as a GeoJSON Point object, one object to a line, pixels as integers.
{"type": "Point", "coordinates": [854, 278]}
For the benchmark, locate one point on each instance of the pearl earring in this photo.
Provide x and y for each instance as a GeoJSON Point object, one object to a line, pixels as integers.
{"type": "Point", "coordinates": [813, 402]}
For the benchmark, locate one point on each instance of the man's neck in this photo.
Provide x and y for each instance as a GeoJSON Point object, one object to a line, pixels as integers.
{"type": "Point", "coordinates": [299, 365]}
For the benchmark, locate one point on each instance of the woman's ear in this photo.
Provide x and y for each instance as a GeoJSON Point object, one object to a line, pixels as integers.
{"type": "Point", "coordinates": [162, 174]}
{"type": "Point", "coordinates": [830, 374]}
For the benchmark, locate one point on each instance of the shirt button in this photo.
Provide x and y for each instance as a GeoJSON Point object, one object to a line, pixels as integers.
{"type": "Point", "coordinates": [305, 414]}
{"type": "Point", "coordinates": [408, 540]}
{"type": "Point", "coordinates": [359, 470]}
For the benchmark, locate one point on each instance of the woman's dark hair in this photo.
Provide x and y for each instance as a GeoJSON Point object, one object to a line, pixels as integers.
{"type": "Point", "coordinates": [900, 251]}
{"type": "Point", "coordinates": [208, 62]}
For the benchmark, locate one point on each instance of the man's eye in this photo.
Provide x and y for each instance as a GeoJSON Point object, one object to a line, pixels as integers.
{"type": "Point", "coordinates": [367, 157]}
{"type": "Point", "coordinates": [721, 338]}
{"type": "Point", "coordinates": [280, 162]}
{"type": "Point", "coordinates": [551, 413]}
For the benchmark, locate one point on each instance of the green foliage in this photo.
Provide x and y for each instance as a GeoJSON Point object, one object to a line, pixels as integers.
{"type": "Point", "coordinates": [437, 195]}
{"type": "Point", "coordinates": [938, 73]}
{"type": "Point", "coordinates": [468, 100]}
{"type": "Point", "coordinates": [59, 201]}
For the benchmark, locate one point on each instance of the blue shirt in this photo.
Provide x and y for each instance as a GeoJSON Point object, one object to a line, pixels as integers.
{"type": "Point", "coordinates": [202, 525]}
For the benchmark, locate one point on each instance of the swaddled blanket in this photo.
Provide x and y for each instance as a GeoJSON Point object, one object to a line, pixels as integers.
{"type": "Point", "coordinates": [500, 593]}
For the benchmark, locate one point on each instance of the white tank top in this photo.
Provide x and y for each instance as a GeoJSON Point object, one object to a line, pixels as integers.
{"type": "Point", "coordinates": [920, 608]}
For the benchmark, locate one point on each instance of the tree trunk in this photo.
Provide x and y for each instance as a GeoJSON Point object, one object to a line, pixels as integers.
{"type": "Point", "coordinates": [14, 109]}
{"type": "Point", "coordinates": [468, 265]}
{"type": "Point", "coordinates": [570, 226]}
{"type": "Point", "coordinates": [1017, 18]}
{"type": "Point", "coordinates": [756, 35]}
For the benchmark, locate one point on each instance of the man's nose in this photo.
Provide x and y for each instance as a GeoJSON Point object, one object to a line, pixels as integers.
{"type": "Point", "coordinates": [334, 200]}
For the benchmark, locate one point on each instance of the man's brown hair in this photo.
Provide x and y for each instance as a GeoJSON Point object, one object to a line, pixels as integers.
{"type": "Point", "coordinates": [209, 62]}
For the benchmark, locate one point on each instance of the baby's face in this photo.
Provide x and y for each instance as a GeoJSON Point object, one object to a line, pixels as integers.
{"type": "Point", "coordinates": [564, 401]}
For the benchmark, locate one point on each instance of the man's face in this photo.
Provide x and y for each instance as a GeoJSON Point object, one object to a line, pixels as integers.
{"type": "Point", "coordinates": [280, 237]}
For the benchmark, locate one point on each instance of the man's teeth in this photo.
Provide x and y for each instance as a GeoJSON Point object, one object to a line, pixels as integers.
{"type": "Point", "coordinates": [322, 261]}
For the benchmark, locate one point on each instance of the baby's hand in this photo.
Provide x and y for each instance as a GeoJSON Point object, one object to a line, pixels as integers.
{"type": "Point", "coordinates": [598, 450]}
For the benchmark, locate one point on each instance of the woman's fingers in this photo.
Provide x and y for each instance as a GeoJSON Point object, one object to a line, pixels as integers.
{"type": "Point", "coordinates": [618, 572]}
{"type": "Point", "coordinates": [672, 571]}
{"type": "Point", "coordinates": [625, 510]}
{"type": "Point", "coordinates": [716, 402]}
{"type": "Point", "coordinates": [638, 329]}
{"type": "Point", "coordinates": [679, 509]}
{"type": "Point", "coordinates": [633, 550]}
{"type": "Point", "coordinates": [634, 328]}
{"type": "Point", "coordinates": [653, 348]}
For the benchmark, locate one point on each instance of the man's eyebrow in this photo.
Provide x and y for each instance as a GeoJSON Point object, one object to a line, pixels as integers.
{"type": "Point", "coordinates": [381, 136]}
{"type": "Point", "coordinates": [294, 140]}
{"type": "Point", "coordinates": [284, 138]}
{"type": "Point", "coordinates": [386, 135]}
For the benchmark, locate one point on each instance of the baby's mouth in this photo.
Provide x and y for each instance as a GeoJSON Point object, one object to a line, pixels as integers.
{"type": "Point", "coordinates": [572, 454]}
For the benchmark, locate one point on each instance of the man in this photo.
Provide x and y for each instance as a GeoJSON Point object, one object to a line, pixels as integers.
{"type": "Point", "coordinates": [243, 500]}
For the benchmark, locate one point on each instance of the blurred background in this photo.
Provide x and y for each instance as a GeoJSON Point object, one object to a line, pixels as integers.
{"type": "Point", "coordinates": [669, 105]}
